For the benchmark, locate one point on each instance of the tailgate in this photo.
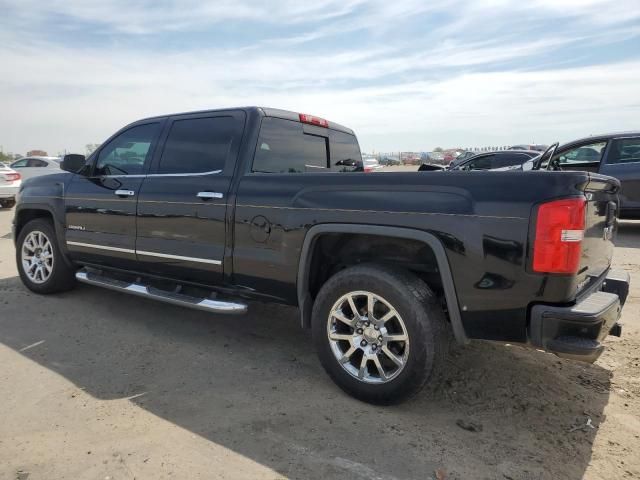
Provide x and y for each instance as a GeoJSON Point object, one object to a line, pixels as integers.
{"type": "Point", "coordinates": [600, 222]}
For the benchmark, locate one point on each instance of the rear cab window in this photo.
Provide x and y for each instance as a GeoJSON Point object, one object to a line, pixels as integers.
{"type": "Point", "coordinates": [288, 146]}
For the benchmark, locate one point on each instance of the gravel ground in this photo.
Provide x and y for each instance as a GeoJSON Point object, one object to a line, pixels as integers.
{"type": "Point", "coordinates": [100, 385]}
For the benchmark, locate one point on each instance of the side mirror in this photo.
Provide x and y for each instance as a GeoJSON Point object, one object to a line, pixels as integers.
{"type": "Point", "coordinates": [73, 162]}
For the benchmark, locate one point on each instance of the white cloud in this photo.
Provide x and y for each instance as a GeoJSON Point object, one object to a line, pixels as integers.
{"type": "Point", "coordinates": [409, 92]}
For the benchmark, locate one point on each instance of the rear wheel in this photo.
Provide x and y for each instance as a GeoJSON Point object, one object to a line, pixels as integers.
{"type": "Point", "coordinates": [40, 263]}
{"type": "Point", "coordinates": [379, 332]}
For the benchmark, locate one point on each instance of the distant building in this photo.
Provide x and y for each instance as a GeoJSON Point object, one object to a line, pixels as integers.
{"type": "Point", "coordinates": [36, 153]}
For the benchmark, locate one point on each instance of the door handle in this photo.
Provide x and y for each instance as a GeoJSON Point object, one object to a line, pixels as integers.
{"type": "Point", "coordinates": [125, 193]}
{"type": "Point", "coordinates": [209, 195]}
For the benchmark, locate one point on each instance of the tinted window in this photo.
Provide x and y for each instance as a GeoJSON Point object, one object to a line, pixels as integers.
{"type": "Point", "coordinates": [624, 150]}
{"type": "Point", "coordinates": [482, 163]}
{"type": "Point", "coordinates": [583, 154]}
{"type": "Point", "coordinates": [127, 153]}
{"type": "Point", "coordinates": [198, 145]}
{"type": "Point", "coordinates": [36, 162]}
{"type": "Point", "coordinates": [19, 163]}
{"type": "Point", "coordinates": [345, 152]}
{"type": "Point", "coordinates": [283, 147]}
{"type": "Point", "coordinates": [508, 160]}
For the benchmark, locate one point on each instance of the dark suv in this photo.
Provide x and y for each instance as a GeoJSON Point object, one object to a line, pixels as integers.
{"type": "Point", "coordinates": [613, 154]}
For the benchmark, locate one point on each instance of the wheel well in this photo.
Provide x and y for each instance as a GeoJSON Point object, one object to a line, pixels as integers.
{"type": "Point", "coordinates": [26, 215]}
{"type": "Point", "coordinates": [333, 252]}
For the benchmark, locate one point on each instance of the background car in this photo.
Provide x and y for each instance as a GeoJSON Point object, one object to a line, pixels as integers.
{"type": "Point", "coordinates": [495, 160]}
{"type": "Point", "coordinates": [370, 163]}
{"type": "Point", "coordinates": [35, 166]}
{"type": "Point", "coordinates": [10, 182]}
{"type": "Point", "coordinates": [389, 162]}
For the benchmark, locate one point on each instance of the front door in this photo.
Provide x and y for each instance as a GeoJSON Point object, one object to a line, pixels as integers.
{"type": "Point", "coordinates": [183, 201]}
{"type": "Point", "coordinates": [101, 201]}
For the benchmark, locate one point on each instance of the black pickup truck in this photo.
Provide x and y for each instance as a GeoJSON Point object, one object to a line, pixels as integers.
{"type": "Point", "coordinates": [214, 209]}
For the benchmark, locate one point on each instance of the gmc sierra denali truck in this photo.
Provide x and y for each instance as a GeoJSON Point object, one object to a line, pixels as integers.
{"type": "Point", "coordinates": [213, 209]}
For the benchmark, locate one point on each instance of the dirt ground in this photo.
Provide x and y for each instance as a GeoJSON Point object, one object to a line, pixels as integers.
{"type": "Point", "coordinates": [96, 384]}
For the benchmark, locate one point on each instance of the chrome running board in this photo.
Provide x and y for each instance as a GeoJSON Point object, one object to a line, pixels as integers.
{"type": "Point", "coordinates": [206, 304]}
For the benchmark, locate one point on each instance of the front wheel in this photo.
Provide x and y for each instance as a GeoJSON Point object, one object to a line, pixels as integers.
{"type": "Point", "coordinates": [10, 203]}
{"type": "Point", "coordinates": [40, 263]}
{"type": "Point", "coordinates": [379, 332]}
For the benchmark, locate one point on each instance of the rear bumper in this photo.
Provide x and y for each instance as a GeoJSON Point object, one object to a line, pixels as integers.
{"type": "Point", "coordinates": [9, 191]}
{"type": "Point", "coordinates": [577, 331]}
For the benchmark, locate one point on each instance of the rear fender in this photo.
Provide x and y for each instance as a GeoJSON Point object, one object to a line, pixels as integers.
{"type": "Point", "coordinates": [305, 302]}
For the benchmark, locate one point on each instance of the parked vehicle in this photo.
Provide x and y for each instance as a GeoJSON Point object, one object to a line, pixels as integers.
{"type": "Point", "coordinates": [212, 209]}
{"type": "Point", "coordinates": [389, 161]}
{"type": "Point", "coordinates": [494, 160]}
{"type": "Point", "coordinates": [370, 163]}
{"type": "Point", "coordinates": [35, 166]}
{"type": "Point", "coordinates": [10, 182]}
{"type": "Point", "coordinates": [613, 154]}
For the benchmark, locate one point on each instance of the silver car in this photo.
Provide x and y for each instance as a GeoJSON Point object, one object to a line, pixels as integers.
{"type": "Point", "coordinates": [30, 167]}
{"type": "Point", "coordinates": [10, 182]}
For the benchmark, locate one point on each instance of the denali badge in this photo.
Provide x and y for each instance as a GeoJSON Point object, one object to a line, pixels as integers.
{"type": "Point", "coordinates": [75, 227]}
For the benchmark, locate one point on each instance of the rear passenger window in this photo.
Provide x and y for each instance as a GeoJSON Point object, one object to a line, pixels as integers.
{"type": "Point", "coordinates": [283, 147]}
{"type": "Point", "coordinates": [624, 150]}
{"type": "Point", "coordinates": [34, 162]}
{"type": "Point", "coordinates": [198, 145]}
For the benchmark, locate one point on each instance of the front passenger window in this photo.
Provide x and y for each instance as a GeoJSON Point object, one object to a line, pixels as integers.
{"type": "Point", "coordinates": [127, 153]}
{"type": "Point", "coordinates": [582, 154]}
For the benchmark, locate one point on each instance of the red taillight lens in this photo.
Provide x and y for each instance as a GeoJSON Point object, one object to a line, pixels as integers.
{"type": "Point", "coordinates": [310, 119]}
{"type": "Point", "coordinates": [12, 177]}
{"type": "Point", "coordinates": [559, 232]}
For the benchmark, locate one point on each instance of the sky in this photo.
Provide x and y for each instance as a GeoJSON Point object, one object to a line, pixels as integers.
{"type": "Point", "coordinates": [406, 75]}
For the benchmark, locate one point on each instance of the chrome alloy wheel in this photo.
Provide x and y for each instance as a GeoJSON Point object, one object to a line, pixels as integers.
{"type": "Point", "coordinates": [368, 337]}
{"type": "Point", "coordinates": [37, 257]}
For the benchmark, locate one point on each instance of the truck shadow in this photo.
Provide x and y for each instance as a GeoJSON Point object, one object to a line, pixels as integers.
{"type": "Point", "coordinates": [628, 234]}
{"type": "Point", "coordinates": [253, 385]}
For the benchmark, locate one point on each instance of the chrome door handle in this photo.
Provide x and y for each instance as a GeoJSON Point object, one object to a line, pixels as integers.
{"type": "Point", "coordinates": [125, 193]}
{"type": "Point", "coordinates": [209, 195]}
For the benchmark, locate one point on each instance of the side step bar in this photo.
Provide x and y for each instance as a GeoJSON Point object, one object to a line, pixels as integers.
{"type": "Point", "coordinates": [206, 304]}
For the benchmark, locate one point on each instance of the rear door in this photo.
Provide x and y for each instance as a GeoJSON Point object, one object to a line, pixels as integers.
{"type": "Point", "coordinates": [183, 201]}
{"type": "Point", "coordinates": [623, 162]}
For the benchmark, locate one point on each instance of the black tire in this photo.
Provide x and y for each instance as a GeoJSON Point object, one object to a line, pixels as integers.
{"type": "Point", "coordinates": [424, 319]}
{"type": "Point", "coordinates": [62, 277]}
{"type": "Point", "coordinates": [7, 203]}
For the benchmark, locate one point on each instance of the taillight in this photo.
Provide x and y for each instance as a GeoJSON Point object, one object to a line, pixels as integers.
{"type": "Point", "coordinates": [12, 177]}
{"type": "Point", "coordinates": [558, 237]}
{"type": "Point", "coordinates": [310, 119]}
